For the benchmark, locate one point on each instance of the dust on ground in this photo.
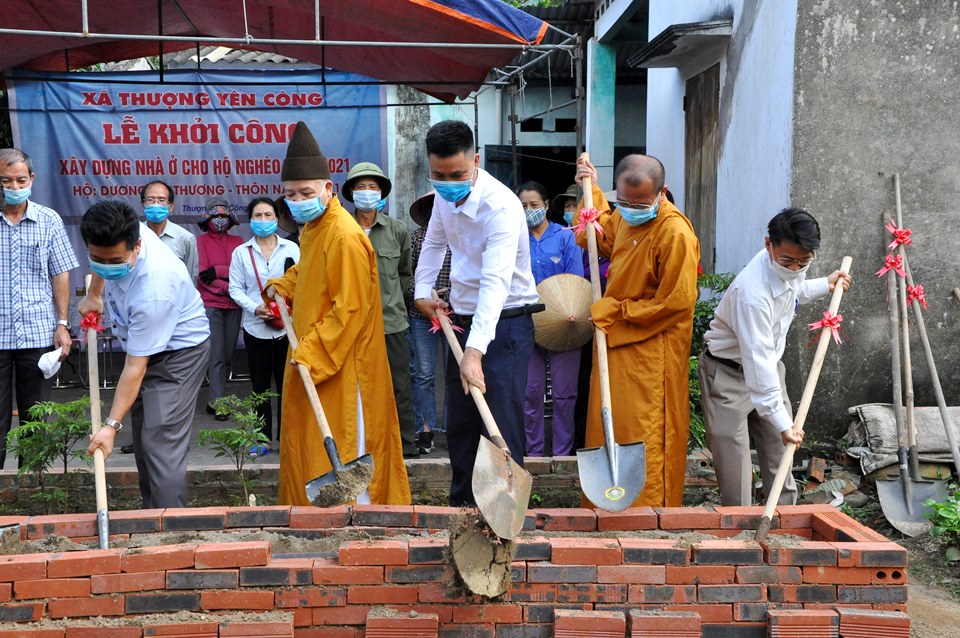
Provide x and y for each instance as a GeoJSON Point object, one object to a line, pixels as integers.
{"type": "Point", "coordinates": [138, 620]}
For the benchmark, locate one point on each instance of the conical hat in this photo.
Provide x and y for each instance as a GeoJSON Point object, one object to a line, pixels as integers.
{"type": "Point", "coordinates": [565, 296]}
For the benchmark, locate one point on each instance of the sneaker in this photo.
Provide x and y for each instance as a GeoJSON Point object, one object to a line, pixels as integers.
{"type": "Point", "coordinates": [425, 442]}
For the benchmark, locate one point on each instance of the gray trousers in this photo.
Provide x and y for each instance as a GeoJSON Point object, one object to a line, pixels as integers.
{"type": "Point", "coordinates": [732, 423]}
{"type": "Point", "coordinates": [224, 330]}
{"type": "Point", "coordinates": [162, 418]}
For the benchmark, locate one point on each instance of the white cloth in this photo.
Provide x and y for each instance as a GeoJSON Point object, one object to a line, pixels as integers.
{"type": "Point", "coordinates": [49, 363]}
{"type": "Point", "coordinates": [183, 243]}
{"type": "Point", "coordinates": [490, 256]}
{"type": "Point", "coordinates": [156, 307]}
{"type": "Point", "coordinates": [750, 327]}
{"type": "Point", "coordinates": [243, 281]}
{"type": "Point", "coordinates": [364, 497]}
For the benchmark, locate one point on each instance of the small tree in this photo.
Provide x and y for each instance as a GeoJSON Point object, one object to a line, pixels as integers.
{"type": "Point", "coordinates": [235, 443]}
{"type": "Point", "coordinates": [52, 434]}
{"type": "Point", "coordinates": [702, 316]}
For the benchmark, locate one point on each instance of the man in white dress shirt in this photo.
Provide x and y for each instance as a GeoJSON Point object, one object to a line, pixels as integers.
{"type": "Point", "coordinates": [741, 375]}
{"type": "Point", "coordinates": [492, 296]}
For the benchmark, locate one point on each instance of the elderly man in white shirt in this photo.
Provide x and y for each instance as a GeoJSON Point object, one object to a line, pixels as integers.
{"type": "Point", "coordinates": [159, 318]}
{"type": "Point", "coordinates": [741, 376]}
{"type": "Point", "coordinates": [492, 294]}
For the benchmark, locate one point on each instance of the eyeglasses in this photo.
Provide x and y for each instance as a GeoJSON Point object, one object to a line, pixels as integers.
{"type": "Point", "coordinates": [636, 206]}
{"type": "Point", "coordinates": [786, 262]}
{"type": "Point", "coordinates": [163, 201]}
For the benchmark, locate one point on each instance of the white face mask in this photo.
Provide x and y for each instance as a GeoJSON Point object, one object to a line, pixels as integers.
{"type": "Point", "coordinates": [786, 274]}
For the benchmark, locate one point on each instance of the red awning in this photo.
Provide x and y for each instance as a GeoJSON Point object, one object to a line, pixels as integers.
{"type": "Point", "coordinates": [434, 69]}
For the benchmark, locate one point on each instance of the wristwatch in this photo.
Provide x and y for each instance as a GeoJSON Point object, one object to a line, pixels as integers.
{"type": "Point", "coordinates": [113, 423]}
{"type": "Point", "coordinates": [65, 324]}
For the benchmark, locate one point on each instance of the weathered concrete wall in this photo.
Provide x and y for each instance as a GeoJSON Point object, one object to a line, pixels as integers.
{"type": "Point", "coordinates": [876, 93]}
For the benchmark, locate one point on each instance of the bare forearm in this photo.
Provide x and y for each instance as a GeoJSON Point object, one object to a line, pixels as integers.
{"type": "Point", "coordinates": [61, 294]}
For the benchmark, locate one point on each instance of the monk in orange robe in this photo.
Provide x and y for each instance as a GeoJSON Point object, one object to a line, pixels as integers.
{"type": "Point", "coordinates": [647, 316]}
{"type": "Point", "coordinates": [335, 294]}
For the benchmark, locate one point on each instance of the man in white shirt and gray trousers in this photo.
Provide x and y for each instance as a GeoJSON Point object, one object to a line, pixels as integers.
{"type": "Point", "coordinates": [159, 318]}
{"type": "Point", "coordinates": [492, 293]}
{"type": "Point", "coordinates": [741, 376]}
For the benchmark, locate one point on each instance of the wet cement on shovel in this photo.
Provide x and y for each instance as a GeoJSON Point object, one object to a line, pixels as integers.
{"type": "Point", "coordinates": [481, 558]}
{"type": "Point", "coordinates": [349, 483]}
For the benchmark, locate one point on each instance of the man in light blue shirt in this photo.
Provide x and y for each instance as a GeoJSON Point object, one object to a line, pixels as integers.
{"type": "Point", "coordinates": [159, 318]}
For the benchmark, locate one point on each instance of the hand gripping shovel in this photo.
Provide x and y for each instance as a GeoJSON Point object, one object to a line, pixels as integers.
{"type": "Point", "coordinates": [346, 481]}
{"type": "Point", "coordinates": [501, 488]}
{"type": "Point", "coordinates": [103, 523]}
{"type": "Point", "coordinates": [612, 476]}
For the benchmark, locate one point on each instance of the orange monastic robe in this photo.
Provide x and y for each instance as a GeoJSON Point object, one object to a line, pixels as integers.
{"type": "Point", "coordinates": [337, 316]}
{"type": "Point", "coordinates": [647, 315]}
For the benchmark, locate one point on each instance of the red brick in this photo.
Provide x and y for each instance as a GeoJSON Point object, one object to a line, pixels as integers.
{"type": "Point", "coordinates": [279, 572]}
{"type": "Point", "coordinates": [347, 615]}
{"type": "Point", "coordinates": [246, 600]}
{"type": "Point", "coordinates": [532, 548]}
{"type": "Point", "coordinates": [800, 516]}
{"type": "Point", "coordinates": [654, 551]}
{"type": "Point", "coordinates": [31, 633]}
{"type": "Point", "coordinates": [727, 552]}
{"type": "Point", "coordinates": [688, 518]}
{"type": "Point", "coordinates": [854, 575]}
{"type": "Point", "coordinates": [701, 575]}
{"type": "Point", "coordinates": [135, 521]}
{"type": "Point", "coordinates": [585, 551]}
{"type": "Point", "coordinates": [782, 574]}
{"type": "Point", "coordinates": [52, 588]}
{"type": "Point", "coordinates": [66, 525]}
{"type": "Point", "coordinates": [884, 623]}
{"type": "Point", "coordinates": [741, 518]}
{"type": "Point", "coordinates": [328, 632]}
{"type": "Point", "coordinates": [419, 574]}
{"type": "Point", "coordinates": [104, 632]}
{"type": "Point", "coordinates": [305, 517]}
{"type": "Point", "coordinates": [84, 563]}
{"type": "Point", "coordinates": [347, 574]}
{"type": "Point", "coordinates": [805, 532]}
{"type": "Point", "coordinates": [630, 519]}
{"type": "Point", "coordinates": [383, 516]}
{"type": "Point", "coordinates": [650, 594]}
{"type": "Point", "coordinates": [549, 573]}
{"type": "Point", "coordinates": [801, 554]}
{"type": "Point", "coordinates": [571, 623]}
{"type": "Point", "coordinates": [445, 593]}
{"type": "Point", "coordinates": [160, 558]}
{"type": "Point", "coordinates": [390, 627]}
{"type": "Point", "coordinates": [312, 597]}
{"type": "Point", "coordinates": [803, 618]}
{"type": "Point", "coordinates": [885, 594]}
{"type": "Point", "coordinates": [262, 629]}
{"type": "Point", "coordinates": [120, 583]}
{"type": "Point", "coordinates": [262, 516]}
{"type": "Point", "coordinates": [23, 567]}
{"type": "Point", "coordinates": [179, 519]}
{"type": "Point", "coordinates": [185, 630]}
{"type": "Point", "coordinates": [381, 594]}
{"type": "Point", "coordinates": [664, 623]}
{"type": "Point", "coordinates": [871, 554]}
{"type": "Point", "coordinates": [243, 554]}
{"type": "Point", "coordinates": [632, 574]}
{"type": "Point", "coordinates": [444, 613]}
{"type": "Point", "coordinates": [490, 613]}
{"type": "Point", "coordinates": [708, 613]}
{"type": "Point", "coordinates": [757, 612]}
{"type": "Point", "coordinates": [25, 612]}
{"type": "Point", "coordinates": [578, 593]}
{"type": "Point", "coordinates": [422, 551]}
{"type": "Point", "coordinates": [434, 517]}
{"type": "Point", "coordinates": [805, 594]}
{"type": "Point", "coordinates": [731, 593]}
{"type": "Point", "coordinates": [6, 592]}
{"type": "Point", "coordinates": [80, 607]}
{"type": "Point", "coordinates": [564, 520]}
{"type": "Point", "coordinates": [531, 593]}
{"type": "Point", "coordinates": [384, 552]}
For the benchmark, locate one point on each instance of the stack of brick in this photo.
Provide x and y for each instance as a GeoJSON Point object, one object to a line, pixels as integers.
{"type": "Point", "coordinates": [412, 625]}
{"type": "Point", "coordinates": [572, 623]}
{"type": "Point", "coordinates": [803, 623]}
{"type": "Point", "coordinates": [664, 624]}
{"type": "Point", "coordinates": [872, 623]}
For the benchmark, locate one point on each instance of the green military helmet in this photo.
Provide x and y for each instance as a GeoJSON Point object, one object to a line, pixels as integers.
{"type": "Point", "coordinates": [365, 169]}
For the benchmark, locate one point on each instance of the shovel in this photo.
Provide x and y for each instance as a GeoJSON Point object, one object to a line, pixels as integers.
{"type": "Point", "coordinates": [103, 523]}
{"type": "Point", "coordinates": [612, 476]}
{"type": "Point", "coordinates": [773, 496]}
{"type": "Point", "coordinates": [346, 481]}
{"type": "Point", "coordinates": [501, 487]}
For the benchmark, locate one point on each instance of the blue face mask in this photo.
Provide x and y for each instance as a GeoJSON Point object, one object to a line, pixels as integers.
{"type": "Point", "coordinates": [381, 205]}
{"type": "Point", "coordinates": [366, 200]}
{"type": "Point", "coordinates": [453, 192]}
{"type": "Point", "coordinates": [263, 227]}
{"type": "Point", "coordinates": [638, 216]}
{"type": "Point", "coordinates": [15, 197]}
{"type": "Point", "coordinates": [110, 272]}
{"type": "Point", "coordinates": [307, 210]}
{"type": "Point", "coordinates": [568, 216]}
{"type": "Point", "coordinates": [535, 217]}
{"type": "Point", "coordinates": [156, 213]}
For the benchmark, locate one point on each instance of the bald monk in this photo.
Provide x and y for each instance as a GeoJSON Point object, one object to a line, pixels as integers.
{"type": "Point", "coordinates": [646, 313]}
{"type": "Point", "coordinates": [335, 295]}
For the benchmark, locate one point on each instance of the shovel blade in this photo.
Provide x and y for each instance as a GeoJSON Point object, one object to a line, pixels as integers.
{"type": "Point", "coordinates": [597, 480]}
{"type": "Point", "coordinates": [501, 489]}
{"type": "Point", "coordinates": [343, 486]}
{"type": "Point", "coordinates": [910, 521]}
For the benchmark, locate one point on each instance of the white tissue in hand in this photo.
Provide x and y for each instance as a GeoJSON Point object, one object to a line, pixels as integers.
{"type": "Point", "coordinates": [50, 362]}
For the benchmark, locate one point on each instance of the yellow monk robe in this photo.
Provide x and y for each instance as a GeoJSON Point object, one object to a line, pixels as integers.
{"type": "Point", "coordinates": [647, 315]}
{"type": "Point", "coordinates": [335, 294]}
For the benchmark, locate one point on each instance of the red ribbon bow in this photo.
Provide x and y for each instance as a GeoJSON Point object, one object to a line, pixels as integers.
{"type": "Point", "coordinates": [435, 322]}
{"type": "Point", "coordinates": [588, 216]}
{"type": "Point", "coordinates": [900, 236]}
{"type": "Point", "coordinates": [894, 263]}
{"type": "Point", "coordinates": [831, 321]}
{"type": "Point", "coordinates": [91, 320]}
{"type": "Point", "coordinates": [916, 292]}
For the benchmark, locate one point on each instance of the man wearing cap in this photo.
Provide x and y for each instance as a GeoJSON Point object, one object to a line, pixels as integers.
{"type": "Point", "coordinates": [157, 200]}
{"type": "Point", "coordinates": [492, 295]}
{"type": "Point", "coordinates": [335, 295]}
{"type": "Point", "coordinates": [367, 188]}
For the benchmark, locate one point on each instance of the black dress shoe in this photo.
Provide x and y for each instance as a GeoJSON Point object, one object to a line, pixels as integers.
{"type": "Point", "coordinates": [126, 449]}
{"type": "Point", "coordinates": [210, 409]}
{"type": "Point", "coordinates": [220, 417]}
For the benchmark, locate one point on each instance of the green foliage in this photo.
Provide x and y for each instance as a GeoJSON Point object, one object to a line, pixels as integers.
{"type": "Point", "coordinates": [529, 4]}
{"type": "Point", "coordinates": [235, 443]}
{"type": "Point", "coordinates": [55, 432]}
{"type": "Point", "coordinates": [946, 523]}
{"type": "Point", "coordinates": [698, 431]}
{"type": "Point", "coordinates": [702, 316]}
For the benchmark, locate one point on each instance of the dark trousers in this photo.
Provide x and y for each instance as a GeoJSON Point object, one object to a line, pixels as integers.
{"type": "Point", "coordinates": [398, 355]}
{"type": "Point", "coordinates": [505, 375]}
{"type": "Point", "coordinates": [30, 385]}
{"type": "Point", "coordinates": [267, 358]}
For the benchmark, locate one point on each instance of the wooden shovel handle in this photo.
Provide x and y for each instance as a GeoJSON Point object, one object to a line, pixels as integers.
{"type": "Point", "coordinates": [95, 414]}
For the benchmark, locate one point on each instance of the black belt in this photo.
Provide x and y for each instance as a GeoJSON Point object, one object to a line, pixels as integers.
{"type": "Point", "coordinates": [730, 363]}
{"type": "Point", "coordinates": [464, 321]}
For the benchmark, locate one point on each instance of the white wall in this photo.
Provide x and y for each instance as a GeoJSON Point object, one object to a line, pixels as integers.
{"type": "Point", "coordinates": [756, 115]}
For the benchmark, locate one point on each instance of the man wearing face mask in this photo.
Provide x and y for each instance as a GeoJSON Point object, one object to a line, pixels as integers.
{"type": "Point", "coordinates": [159, 318]}
{"type": "Point", "coordinates": [367, 188]}
{"type": "Point", "coordinates": [34, 290]}
{"type": "Point", "coordinates": [335, 295]}
{"type": "Point", "coordinates": [157, 200]}
{"type": "Point", "coordinates": [647, 314]}
{"type": "Point", "coordinates": [492, 293]}
{"type": "Point", "coordinates": [741, 375]}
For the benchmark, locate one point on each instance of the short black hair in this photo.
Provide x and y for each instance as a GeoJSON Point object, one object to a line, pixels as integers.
{"type": "Point", "coordinates": [636, 169]}
{"type": "Point", "coordinates": [110, 222]}
{"type": "Point", "coordinates": [449, 137]}
{"type": "Point", "coordinates": [170, 193]}
{"type": "Point", "coordinates": [796, 226]}
{"type": "Point", "coordinates": [534, 186]}
{"type": "Point", "coordinates": [261, 200]}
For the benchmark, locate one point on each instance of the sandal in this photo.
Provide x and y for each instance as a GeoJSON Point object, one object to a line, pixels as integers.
{"type": "Point", "coordinates": [260, 450]}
